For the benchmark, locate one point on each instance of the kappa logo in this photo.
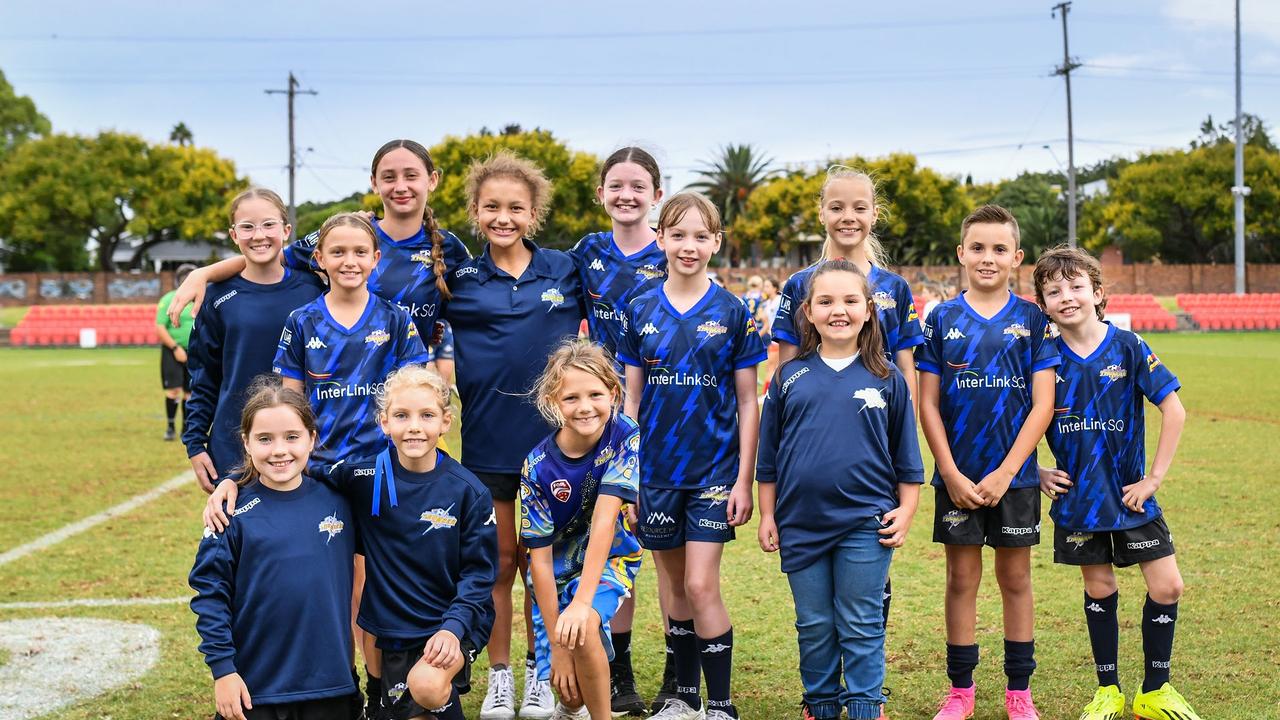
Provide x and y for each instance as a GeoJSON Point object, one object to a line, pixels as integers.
{"type": "Point", "coordinates": [717, 494]}
{"type": "Point", "coordinates": [331, 525]}
{"type": "Point", "coordinates": [596, 265]}
{"type": "Point", "coordinates": [955, 518]}
{"type": "Point", "coordinates": [1079, 539]}
{"type": "Point", "coordinates": [561, 490]}
{"type": "Point", "coordinates": [871, 398]}
{"type": "Point", "coordinates": [953, 334]}
{"type": "Point", "coordinates": [1006, 530]}
{"type": "Point", "coordinates": [648, 329]}
{"type": "Point", "coordinates": [1106, 667]}
{"type": "Point", "coordinates": [712, 328]}
{"type": "Point", "coordinates": [1017, 330]}
{"type": "Point", "coordinates": [679, 631]}
{"type": "Point", "coordinates": [1143, 545]}
{"type": "Point", "coordinates": [1113, 372]}
{"type": "Point", "coordinates": [1094, 607]}
{"type": "Point", "coordinates": [363, 472]}
{"type": "Point", "coordinates": [209, 533]}
{"type": "Point", "coordinates": [1164, 664]}
{"type": "Point", "coordinates": [468, 270]}
{"type": "Point", "coordinates": [884, 300]}
{"type": "Point", "coordinates": [242, 510]}
{"type": "Point", "coordinates": [716, 648]}
{"type": "Point", "coordinates": [493, 518]}
{"type": "Point", "coordinates": [224, 298]}
{"type": "Point", "coordinates": [316, 343]}
{"type": "Point", "coordinates": [660, 518]}
{"type": "Point", "coordinates": [378, 337]}
{"type": "Point", "coordinates": [1060, 380]}
{"type": "Point", "coordinates": [439, 518]}
{"type": "Point", "coordinates": [712, 524]}
{"type": "Point", "coordinates": [554, 297]}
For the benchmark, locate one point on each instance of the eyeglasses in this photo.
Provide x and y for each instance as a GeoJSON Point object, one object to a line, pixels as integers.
{"type": "Point", "coordinates": [268, 227]}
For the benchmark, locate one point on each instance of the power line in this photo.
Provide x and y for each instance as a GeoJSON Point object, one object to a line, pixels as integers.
{"type": "Point", "coordinates": [1064, 70]}
{"type": "Point", "coordinates": [292, 91]}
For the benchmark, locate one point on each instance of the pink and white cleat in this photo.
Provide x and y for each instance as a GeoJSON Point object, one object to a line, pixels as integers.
{"type": "Point", "coordinates": [1017, 703]}
{"type": "Point", "coordinates": [957, 705]}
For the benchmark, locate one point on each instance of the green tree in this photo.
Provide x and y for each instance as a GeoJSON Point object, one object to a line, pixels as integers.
{"type": "Point", "coordinates": [181, 135]}
{"type": "Point", "coordinates": [781, 212]}
{"type": "Point", "coordinates": [19, 119]}
{"type": "Point", "coordinates": [1040, 206]}
{"type": "Point", "coordinates": [311, 215]}
{"type": "Point", "coordinates": [728, 182]}
{"type": "Point", "coordinates": [105, 188]}
{"type": "Point", "coordinates": [574, 211]}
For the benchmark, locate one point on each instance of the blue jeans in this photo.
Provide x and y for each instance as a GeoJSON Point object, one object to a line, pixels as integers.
{"type": "Point", "coordinates": [840, 620]}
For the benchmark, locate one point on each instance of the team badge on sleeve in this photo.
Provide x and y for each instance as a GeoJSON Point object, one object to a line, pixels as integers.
{"type": "Point", "coordinates": [561, 490]}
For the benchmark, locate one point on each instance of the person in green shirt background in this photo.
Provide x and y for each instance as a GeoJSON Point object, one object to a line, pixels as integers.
{"type": "Point", "coordinates": [173, 354]}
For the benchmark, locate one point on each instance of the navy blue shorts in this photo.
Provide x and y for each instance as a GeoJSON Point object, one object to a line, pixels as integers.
{"type": "Point", "coordinates": [669, 518]}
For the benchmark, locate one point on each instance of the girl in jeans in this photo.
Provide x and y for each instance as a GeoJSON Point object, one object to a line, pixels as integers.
{"type": "Point", "coordinates": [840, 473]}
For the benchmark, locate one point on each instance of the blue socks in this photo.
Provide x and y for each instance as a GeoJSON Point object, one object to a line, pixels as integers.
{"type": "Point", "coordinates": [1158, 622]}
{"type": "Point", "coordinates": [717, 666]}
{"type": "Point", "coordinates": [688, 663]}
{"type": "Point", "coordinates": [1104, 636]}
{"type": "Point", "coordinates": [961, 660]}
{"type": "Point", "coordinates": [1019, 663]}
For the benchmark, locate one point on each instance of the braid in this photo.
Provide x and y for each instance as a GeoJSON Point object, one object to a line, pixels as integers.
{"type": "Point", "coordinates": [437, 251]}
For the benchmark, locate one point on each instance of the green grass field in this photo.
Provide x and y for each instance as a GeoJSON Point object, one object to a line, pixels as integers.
{"type": "Point", "coordinates": [81, 432]}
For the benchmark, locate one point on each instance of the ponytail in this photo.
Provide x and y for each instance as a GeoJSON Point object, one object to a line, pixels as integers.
{"type": "Point", "coordinates": [437, 251]}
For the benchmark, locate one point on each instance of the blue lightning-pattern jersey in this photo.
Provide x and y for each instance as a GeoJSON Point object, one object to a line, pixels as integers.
{"type": "Point", "coordinates": [1098, 433]}
{"type": "Point", "coordinates": [985, 367]}
{"type": "Point", "coordinates": [895, 307]}
{"type": "Point", "coordinates": [611, 279]}
{"type": "Point", "coordinates": [558, 498]}
{"type": "Point", "coordinates": [404, 275]}
{"type": "Point", "coordinates": [689, 406]}
{"type": "Point", "coordinates": [343, 369]}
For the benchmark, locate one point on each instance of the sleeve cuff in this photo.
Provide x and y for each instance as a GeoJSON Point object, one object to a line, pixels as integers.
{"type": "Point", "coordinates": [287, 372]}
{"type": "Point", "coordinates": [537, 541]}
{"type": "Point", "coordinates": [785, 337]}
{"type": "Point", "coordinates": [915, 477]}
{"type": "Point", "coordinates": [928, 367]}
{"type": "Point", "coordinates": [456, 627]}
{"type": "Point", "coordinates": [195, 449]}
{"type": "Point", "coordinates": [1164, 392]}
{"type": "Point", "coordinates": [910, 343]}
{"type": "Point", "coordinates": [765, 478]}
{"type": "Point", "coordinates": [752, 361]}
{"type": "Point", "coordinates": [222, 668]}
{"type": "Point", "coordinates": [1046, 364]}
{"type": "Point", "coordinates": [627, 360]}
{"type": "Point", "coordinates": [626, 495]}
{"type": "Point", "coordinates": [419, 359]}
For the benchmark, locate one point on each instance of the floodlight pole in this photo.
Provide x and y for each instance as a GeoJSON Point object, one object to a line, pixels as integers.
{"type": "Point", "coordinates": [1239, 190]}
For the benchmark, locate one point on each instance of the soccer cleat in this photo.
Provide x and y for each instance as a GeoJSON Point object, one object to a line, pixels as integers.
{"type": "Point", "coordinates": [1163, 703]}
{"type": "Point", "coordinates": [957, 705]}
{"type": "Point", "coordinates": [1018, 705]}
{"type": "Point", "coordinates": [623, 698]}
{"type": "Point", "coordinates": [500, 699]}
{"type": "Point", "coordinates": [538, 703]}
{"type": "Point", "coordinates": [665, 693]}
{"type": "Point", "coordinates": [564, 713]}
{"type": "Point", "coordinates": [719, 715]}
{"type": "Point", "coordinates": [169, 435]}
{"type": "Point", "coordinates": [1108, 704]}
{"type": "Point", "coordinates": [677, 709]}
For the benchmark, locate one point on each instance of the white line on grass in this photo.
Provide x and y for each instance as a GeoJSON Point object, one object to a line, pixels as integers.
{"type": "Point", "coordinates": [80, 526]}
{"type": "Point", "coordinates": [92, 602]}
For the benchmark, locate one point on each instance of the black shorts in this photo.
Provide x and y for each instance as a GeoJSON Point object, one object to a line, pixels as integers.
{"type": "Point", "coordinates": [346, 707]}
{"type": "Point", "coordinates": [397, 702]}
{"type": "Point", "coordinates": [1121, 548]}
{"type": "Point", "coordinates": [1013, 522]}
{"type": "Point", "coordinates": [502, 486]}
{"type": "Point", "coordinates": [173, 374]}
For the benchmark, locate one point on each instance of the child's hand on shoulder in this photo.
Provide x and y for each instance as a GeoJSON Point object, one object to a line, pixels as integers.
{"type": "Point", "coordinates": [573, 624]}
{"type": "Point", "coordinates": [443, 650]}
{"type": "Point", "coordinates": [767, 534]}
{"type": "Point", "coordinates": [896, 523]}
{"type": "Point", "coordinates": [216, 516]}
{"type": "Point", "coordinates": [231, 696]}
{"type": "Point", "coordinates": [1053, 482]}
{"type": "Point", "coordinates": [963, 492]}
{"type": "Point", "coordinates": [994, 486]}
{"type": "Point", "coordinates": [1137, 494]}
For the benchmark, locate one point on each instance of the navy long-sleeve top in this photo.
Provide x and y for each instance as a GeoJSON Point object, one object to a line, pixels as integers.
{"type": "Point", "coordinates": [431, 551]}
{"type": "Point", "coordinates": [273, 594]}
{"type": "Point", "coordinates": [837, 443]}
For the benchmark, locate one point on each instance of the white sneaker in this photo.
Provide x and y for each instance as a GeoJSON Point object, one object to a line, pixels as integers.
{"type": "Point", "coordinates": [500, 698]}
{"type": "Point", "coordinates": [676, 709]}
{"type": "Point", "coordinates": [539, 703]}
{"type": "Point", "coordinates": [564, 713]}
{"type": "Point", "coordinates": [719, 715]}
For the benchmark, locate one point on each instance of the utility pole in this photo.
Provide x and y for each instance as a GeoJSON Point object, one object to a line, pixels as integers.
{"type": "Point", "coordinates": [293, 90]}
{"type": "Point", "coordinates": [1065, 71]}
{"type": "Point", "coordinates": [1239, 190]}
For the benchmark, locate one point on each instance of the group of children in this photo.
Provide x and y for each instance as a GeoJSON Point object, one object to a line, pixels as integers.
{"type": "Point", "coordinates": [337, 521]}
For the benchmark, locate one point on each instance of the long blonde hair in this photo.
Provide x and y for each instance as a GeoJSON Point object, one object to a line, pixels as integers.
{"type": "Point", "coordinates": [573, 354]}
{"type": "Point", "coordinates": [874, 248]}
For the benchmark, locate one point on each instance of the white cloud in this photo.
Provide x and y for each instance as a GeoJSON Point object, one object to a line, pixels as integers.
{"type": "Point", "coordinates": [1258, 18]}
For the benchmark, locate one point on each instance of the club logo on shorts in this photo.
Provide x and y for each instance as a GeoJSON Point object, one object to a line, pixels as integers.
{"type": "Point", "coordinates": [712, 328]}
{"type": "Point", "coordinates": [955, 518]}
{"type": "Point", "coordinates": [1113, 372]}
{"type": "Point", "coordinates": [561, 490]}
{"type": "Point", "coordinates": [884, 300]}
{"type": "Point", "coordinates": [395, 691]}
{"type": "Point", "coordinates": [1079, 539]}
{"type": "Point", "coordinates": [871, 398]}
{"type": "Point", "coordinates": [554, 297]}
{"type": "Point", "coordinates": [659, 518]}
{"type": "Point", "coordinates": [650, 272]}
{"type": "Point", "coordinates": [439, 518]}
{"type": "Point", "coordinates": [378, 337]}
{"type": "Point", "coordinates": [716, 494]}
{"type": "Point", "coordinates": [1017, 330]}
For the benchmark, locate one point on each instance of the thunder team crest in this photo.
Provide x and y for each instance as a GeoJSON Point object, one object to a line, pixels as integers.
{"type": "Point", "coordinates": [331, 525]}
{"type": "Point", "coordinates": [1113, 372]}
{"type": "Point", "coordinates": [378, 337]}
{"type": "Point", "coordinates": [554, 297]}
{"type": "Point", "coordinates": [1017, 330]}
{"type": "Point", "coordinates": [716, 494]}
{"type": "Point", "coordinates": [650, 272]}
{"type": "Point", "coordinates": [422, 256]}
{"type": "Point", "coordinates": [712, 328]}
{"type": "Point", "coordinates": [954, 518]}
{"type": "Point", "coordinates": [884, 300]}
{"type": "Point", "coordinates": [1079, 539]}
{"type": "Point", "coordinates": [439, 518]}
{"type": "Point", "coordinates": [871, 398]}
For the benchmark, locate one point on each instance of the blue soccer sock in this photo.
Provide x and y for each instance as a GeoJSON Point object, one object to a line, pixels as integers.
{"type": "Point", "coordinates": [1104, 636]}
{"type": "Point", "coordinates": [1019, 663]}
{"type": "Point", "coordinates": [1158, 622]}
{"type": "Point", "coordinates": [717, 666]}
{"type": "Point", "coordinates": [688, 664]}
{"type": "Point", "coordinates": [961, 660]}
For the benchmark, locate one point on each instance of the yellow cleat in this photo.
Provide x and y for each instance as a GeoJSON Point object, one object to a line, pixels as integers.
{"type": "Point", "coordinates": [1162, 704]}
{"type": "Point", "coordinates": [1108, 704]}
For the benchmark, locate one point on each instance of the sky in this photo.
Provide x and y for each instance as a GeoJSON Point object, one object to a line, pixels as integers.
{"type": "Point", "coordinates": [968, 87]}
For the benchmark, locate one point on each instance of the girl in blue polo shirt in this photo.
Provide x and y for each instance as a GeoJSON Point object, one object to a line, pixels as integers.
{"type": "Point", "coordinates": [840, 473]}
{"type": "Point", "coordinates": [509, 307]}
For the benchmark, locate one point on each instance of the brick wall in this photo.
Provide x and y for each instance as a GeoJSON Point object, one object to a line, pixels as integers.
{"type": "Point", "coordinates": [83, 288]}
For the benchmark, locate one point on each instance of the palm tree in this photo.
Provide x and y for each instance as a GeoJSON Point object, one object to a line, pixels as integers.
{"type": "Point", "coordinates": [729, 180]}
{"type": "Point", "coordinates": [181, 135]}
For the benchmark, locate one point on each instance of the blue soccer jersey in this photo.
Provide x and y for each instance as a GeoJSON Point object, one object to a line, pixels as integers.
{"type": "Point", "coordinates": [343, 369]}
{"type": "Point", "coordinates": [985, 367]}
{"type": "Point", "coordinates": [504, 328]}
{"type": "Point", "coordinates": [1098, 433]}
{"type": "Point", "coordinates": [558, 497]}
{"type": "Point", "coordinates": [895, 308]}
{"type": "Point", "coordinates": [689, 406]}
{"type": "Point", "coordinates": [611, 279]}
{"type": "Point", "coordinates": [404, 275]}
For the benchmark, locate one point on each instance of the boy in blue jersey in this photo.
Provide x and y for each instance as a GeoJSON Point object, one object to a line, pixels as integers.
{"type": "Point", "coordinates": [583, 555]}
{"type": "Point", "coordinates": [986, 398]}
{"type": "Point", "coordinates": [691, 350]}
{"type": "Point", "coordinates": [1104, 507]}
